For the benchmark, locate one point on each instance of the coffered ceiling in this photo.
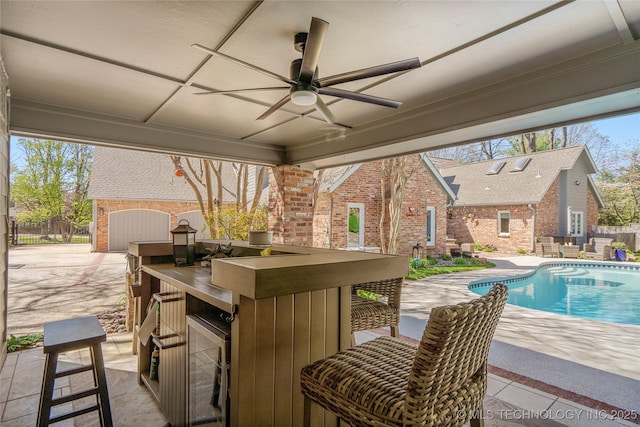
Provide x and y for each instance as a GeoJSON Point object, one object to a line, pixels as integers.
{"type": "Point", "coordinates": [124, 73]}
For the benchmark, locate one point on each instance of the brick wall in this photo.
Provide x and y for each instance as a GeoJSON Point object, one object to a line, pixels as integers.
{"type": "Point", "coordinates": [548, 212]}
{"type": "Point", "coordinates": [363, 186]}
{"type": "Point", "coordinates": [291, 205]}
{"type": "Point", "coordinates": [480, 225]}
{"type": "Point", "coordinates": [592, 214]}
{"type": "Point", "coordinates": [101, 227]}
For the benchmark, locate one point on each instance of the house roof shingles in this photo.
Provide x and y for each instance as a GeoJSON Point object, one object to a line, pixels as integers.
{"type": "Point", "coordinates": [118, 174]}
{"type": "Point", "coordinates": [473, 187]}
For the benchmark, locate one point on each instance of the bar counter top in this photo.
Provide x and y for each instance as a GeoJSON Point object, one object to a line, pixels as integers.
{"type": "Point", "coordinates": [195, 281]}
{"type": "Point", "coordinates": [290, 270]}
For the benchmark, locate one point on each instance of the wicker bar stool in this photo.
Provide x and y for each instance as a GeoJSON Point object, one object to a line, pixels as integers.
{"type": "Point", "coordinates": [68, 335]}
{"type": "Point", "coordinates": [386, 381]}
{"type": "Point", "coordinates": [368, 314]}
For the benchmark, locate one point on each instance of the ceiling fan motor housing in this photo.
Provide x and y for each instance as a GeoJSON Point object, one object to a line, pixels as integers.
{"type": "Point", "coordinates": [299, 41]}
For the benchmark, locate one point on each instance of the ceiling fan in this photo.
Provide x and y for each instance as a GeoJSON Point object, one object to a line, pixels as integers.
{"type": "Point", "coordinates": [304, 84]}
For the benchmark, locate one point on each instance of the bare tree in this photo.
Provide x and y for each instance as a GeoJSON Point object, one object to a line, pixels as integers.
{"type": "Point", "coordinates": [394, 175]}
{"type": "Point", "coordinates": [204, 176]}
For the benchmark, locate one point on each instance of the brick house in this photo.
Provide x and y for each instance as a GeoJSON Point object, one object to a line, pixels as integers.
{"type": "Point", "coordinates": [354, 191]}
{"type": "Point", "coordinates": [509, 202]}
{"type": "Point", "coordinates": [137, 196]}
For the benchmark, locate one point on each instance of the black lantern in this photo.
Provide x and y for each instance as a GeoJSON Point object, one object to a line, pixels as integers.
{"type": "Point", "coordinates": [184, 244]}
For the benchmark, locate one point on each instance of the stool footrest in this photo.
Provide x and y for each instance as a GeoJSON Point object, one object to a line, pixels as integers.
{"type": "Point", "coordinates": [74, 414]}
{"type": "Point", "coordinates": [74, 371]}
{"type": "Point", "coordinates": [75, 396]}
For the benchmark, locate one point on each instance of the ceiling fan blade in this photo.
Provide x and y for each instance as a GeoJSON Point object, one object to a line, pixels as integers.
{"type": "Point", "coordinates": [379, 70]}
{"type": "Point", "coordinates": [355, 96]}
{"type": "Point", "coordinates": [312, 48]}
{"type": "Point", "coordinates": [222, 92]}
{"type": "Point", "coordinates": [244, 64]}
{"type": "Point", "coordinates": [324, 111]}
{"type": "Point", "coordinates": [275, 107]}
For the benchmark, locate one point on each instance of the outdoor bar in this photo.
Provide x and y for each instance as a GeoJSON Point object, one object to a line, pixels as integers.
{"type": "Point", "coordinates": [281, 312]}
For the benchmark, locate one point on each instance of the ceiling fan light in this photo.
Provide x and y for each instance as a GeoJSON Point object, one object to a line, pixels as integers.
{"type": "Point", "coordinates": [304, 97]}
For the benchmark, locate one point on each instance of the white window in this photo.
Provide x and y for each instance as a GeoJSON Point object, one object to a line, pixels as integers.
{"type": "Point", "coordinates": [503, 223]}
{"type": "Point", "coordinates": [577, 224]}
{"type": "Point", "coordinates": [431, 226]}
{"type": "Point", "coordinates": [355, 224]}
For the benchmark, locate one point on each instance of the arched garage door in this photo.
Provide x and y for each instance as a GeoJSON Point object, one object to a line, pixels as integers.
{"type": "Point", "coordinates": [136, 224]}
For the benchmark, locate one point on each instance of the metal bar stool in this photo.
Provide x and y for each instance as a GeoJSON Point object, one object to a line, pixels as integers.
{"type": "Point", "coordinates": [68, 335]}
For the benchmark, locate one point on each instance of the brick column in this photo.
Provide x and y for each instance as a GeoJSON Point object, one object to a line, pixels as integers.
{"type": "Point", "coordinates": [291, 205]}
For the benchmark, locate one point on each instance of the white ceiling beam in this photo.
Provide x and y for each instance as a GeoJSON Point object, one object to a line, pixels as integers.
{"type": "Point", "coordinates": [46, 121]}
{"type": "Point", "coordinates": [617, 15]}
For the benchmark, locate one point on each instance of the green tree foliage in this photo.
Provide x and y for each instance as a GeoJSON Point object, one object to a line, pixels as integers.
{"type": "Point", "coordinates": [51, 184]}
{"type": "Point", "coordinates": [619, 186]}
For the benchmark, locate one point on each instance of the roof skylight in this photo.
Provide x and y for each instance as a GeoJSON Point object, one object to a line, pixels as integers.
{"type": "Point", "coordinates": [496, 167]}
{"type": "Point", "coordinates": [521, 164]}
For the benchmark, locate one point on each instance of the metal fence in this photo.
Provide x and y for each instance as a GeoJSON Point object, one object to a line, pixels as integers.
{"type": "Point", "coordinates": [44, 234]}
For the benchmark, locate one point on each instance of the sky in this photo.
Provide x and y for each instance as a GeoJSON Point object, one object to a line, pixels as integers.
{"type": "Point", "coordinates": [622, 130]}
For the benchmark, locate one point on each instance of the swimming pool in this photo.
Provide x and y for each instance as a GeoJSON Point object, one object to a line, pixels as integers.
{"type": "Point", "coordinates": [608, 292]}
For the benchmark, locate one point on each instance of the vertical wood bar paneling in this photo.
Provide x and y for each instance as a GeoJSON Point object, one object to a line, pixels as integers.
{"type": "Point", "coordinates": [332, 338]}
{"type": "Point", "coordinates": [172, 368]}
{"type": "Point", "coordinates": [345, 317]}
{"type": "Point", "coordinates": [283, 389]}
{"type": "Point", "coordinates": [278, 337]}
{"type": "Point", "coordinates": [317, 343]}
{"type": "Point", "coordinates": [302, 320]}
{"type": "Point", "coordinates": [245, 370]}
{"type": "Point", "coordinates": [265, 359]}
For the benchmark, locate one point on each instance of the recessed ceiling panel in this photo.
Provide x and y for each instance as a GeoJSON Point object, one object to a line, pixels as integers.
{"type": "Point", "coordinates": [81, 83]}
{"type": "Point", "coordinates": [220, 114]}
{"type": "Point", "coordinates": [153, 35]}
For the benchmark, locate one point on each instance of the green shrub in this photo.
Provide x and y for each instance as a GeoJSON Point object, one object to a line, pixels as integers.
{"type": "Point", "coordinates": [478, 247]}
{"type": "Point", "coordinates": [416, 263]}
{"type": "Point", "coordinates": [430, 260]}
{"type": "Point", "coordinates": [446, 257]}
{"type": "Point", "coordinates": [521, 251]}
{"type": "Point", "coordinates": [460, 261]}
{"type": "Point", "coordinates": [24, 341]}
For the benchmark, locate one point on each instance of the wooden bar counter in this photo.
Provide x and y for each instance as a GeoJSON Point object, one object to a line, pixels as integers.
{"type": "Point", "coordinates": [288, 310]}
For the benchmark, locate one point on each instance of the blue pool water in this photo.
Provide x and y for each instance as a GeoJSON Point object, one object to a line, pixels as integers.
{"type": "Point", "coordinates": [607, 292]}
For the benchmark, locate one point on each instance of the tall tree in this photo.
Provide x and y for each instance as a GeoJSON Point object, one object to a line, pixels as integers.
{"type": "Point", "coordinates": [204, 176]}
{"type": "Point", "coordinates": [394, 175]}
{"type": "Point", "coordinates": [51, 184]}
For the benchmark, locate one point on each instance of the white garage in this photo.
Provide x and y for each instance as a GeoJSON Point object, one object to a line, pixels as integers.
{"type": "Point", "coordinates": [137, 224]}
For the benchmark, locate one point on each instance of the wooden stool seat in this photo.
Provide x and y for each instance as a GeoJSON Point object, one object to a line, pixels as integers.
{"type": "Point", "coordinates": [69, 335]}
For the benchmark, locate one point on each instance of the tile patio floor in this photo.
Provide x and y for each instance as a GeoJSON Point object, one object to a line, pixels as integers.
{"type": "Point", "coordinates": [508, 403]}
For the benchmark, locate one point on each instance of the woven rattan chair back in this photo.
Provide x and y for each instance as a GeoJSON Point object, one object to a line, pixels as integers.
{"type": "Point", "coordinates": [452, 356]}
{"type": "Point", "coordinates": [387, 381]}
{"type": "Point", "coordinates": [367, 314]}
